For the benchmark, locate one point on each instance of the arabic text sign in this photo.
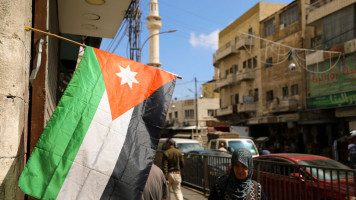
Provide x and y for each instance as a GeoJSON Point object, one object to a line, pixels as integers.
{"type": "Point", "coordinates": [341, 78]}
{"type": "Point", "coordinates": [333, 100]}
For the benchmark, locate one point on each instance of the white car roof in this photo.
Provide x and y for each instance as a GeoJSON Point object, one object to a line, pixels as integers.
{"type": "Point", "coordinates": [180, 140]}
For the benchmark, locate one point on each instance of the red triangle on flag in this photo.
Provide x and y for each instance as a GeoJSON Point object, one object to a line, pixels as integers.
{"type": "Point", "coordinates": [123, 91]}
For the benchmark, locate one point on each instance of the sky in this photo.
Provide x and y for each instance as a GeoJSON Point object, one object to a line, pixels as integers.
{"type": "Point", "coordinates": [188, 52]}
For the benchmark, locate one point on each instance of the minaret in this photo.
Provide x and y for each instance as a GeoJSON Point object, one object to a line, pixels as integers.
{"type": "Point", "coordinates": [154, 24]}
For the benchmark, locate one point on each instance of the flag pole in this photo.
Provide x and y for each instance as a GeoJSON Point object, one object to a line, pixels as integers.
{"type": "Point", "coordinates": [66, 39]}
{"type": "Point", "coordinates": [54, 35]}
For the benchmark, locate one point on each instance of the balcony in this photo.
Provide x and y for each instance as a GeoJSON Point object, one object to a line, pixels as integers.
{"type": "Point", "coordinates": [229, 110]}
{"type": "Point", "coordinates": [247, 107]}
{"type": "Point", "coordinates": [284, 105]}
{"type": "Point", "coordinates": [231, 79]}
{"type": "Point", "coordinates": [246, 74]}
{"type": "Point", "coordinates": [224, 52]}
{"type": "Point", "coordinates": [223, 82]}
{"type": "Point", "coordinates": [245, 42]}
{"type": "Point", "coordinates": [322, 8]}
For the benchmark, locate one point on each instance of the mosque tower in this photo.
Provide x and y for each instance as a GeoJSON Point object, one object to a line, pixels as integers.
{"type": "Point", "coordinates": [154, 24]}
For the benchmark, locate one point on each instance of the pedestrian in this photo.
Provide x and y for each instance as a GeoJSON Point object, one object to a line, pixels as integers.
{"type": "Point", "coordinates": [222, 147]}
{"type": "Point", "coordinates": [352, 154]}
{"type": "Point", "coordinates": [172, 164]}
{"type": "Point", "coordinates": [156, 186]}
{"type": "Point", "coordinates": [238, 184]}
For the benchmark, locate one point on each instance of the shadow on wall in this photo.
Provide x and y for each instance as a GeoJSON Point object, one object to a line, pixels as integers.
{"type": "Point", "coordinates": [9, 185]}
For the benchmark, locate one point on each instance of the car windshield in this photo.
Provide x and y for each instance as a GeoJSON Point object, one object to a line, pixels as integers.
{"type": "Point", "coordinates": [186, 147]}
{"type": "Point", "coordinates": [326, 174]}
{"type": "Point", "coordinates": [243, 144]}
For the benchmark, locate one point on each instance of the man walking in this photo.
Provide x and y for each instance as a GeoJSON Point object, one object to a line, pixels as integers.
{"type": "Point", "coordinates": [156, 185]}
{"type": "Point", "coordinates": [172, 164]}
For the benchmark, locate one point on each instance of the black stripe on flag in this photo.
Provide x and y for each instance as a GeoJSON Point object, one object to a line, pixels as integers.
{"type": "Point", "coordinates": [135, 160]}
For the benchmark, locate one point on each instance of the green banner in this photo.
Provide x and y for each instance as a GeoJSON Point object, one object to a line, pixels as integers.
{"type": "Point", "coordinates": [340, 78]}
{"type": "Point", "coordinates": [333, 100]}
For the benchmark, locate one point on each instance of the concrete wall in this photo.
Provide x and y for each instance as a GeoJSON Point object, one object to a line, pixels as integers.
{"type": "Point", "coordinates": [15, 52]}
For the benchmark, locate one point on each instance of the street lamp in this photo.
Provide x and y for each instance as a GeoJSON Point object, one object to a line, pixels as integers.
{"type": "Point", "coordinates": [196, 106]}
{"type": "Point", "coordinates": [140, 52]}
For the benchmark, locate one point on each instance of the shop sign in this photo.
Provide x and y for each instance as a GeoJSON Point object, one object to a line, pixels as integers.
{"type": "Point", "coordinates": [339, 76]}
{"type": "Point", "coordinates": [333, 100]}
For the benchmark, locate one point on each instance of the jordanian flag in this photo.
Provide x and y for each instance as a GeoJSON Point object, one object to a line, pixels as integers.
{"type": "Point", "coordinates": [101, 139]}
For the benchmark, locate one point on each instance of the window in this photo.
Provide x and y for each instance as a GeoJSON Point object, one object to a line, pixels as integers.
{"type": "Point", "coordinates": [250, 93]}
{"type": "Point", "coordinates": [226, 72]}
{"type": "Point", "coordinates": [285, 91]}
{"type": "Point", "coordinates": [255, 62]}
{"type": "Point", "coordinates": [170, 116]}
{"type": "Point", "coordinates": [269, 62]}
{"type": "Point", "coordinates": [236, 98]}
{"type": "Point", "coordinates": [189, 113]}
{"type": "Point", "coordinates": [255, 97]}
{"type": "Point", "coordinates": [236, 39]}
{"type": "Point", "coordinates": [176, 114]}
{"type": "Point", "coordinates": [249, 63]}
{"type": "Point", "coordinates": [294, 90]}
{"type": "Point", "coordinates": [213, 145]}
{"type": "Point", "coordinates": [231, 70]}
{"type": "Point", "coordinates": [210, 112]}
{"type": "Point", "coordinates": [269, 95]}
{"type": "Point", "coordinates": [244, 64]}
{"type": "Point", "coordinates": [289, 16]}
{"type": "Point", "coordinates": [236, 68]}
{"type": "Point", "coordinates": [269, 27]}
{"type": "Point", "coordinates": [227, 44]}
{"type": "Point", "coordinates": [250, 32]}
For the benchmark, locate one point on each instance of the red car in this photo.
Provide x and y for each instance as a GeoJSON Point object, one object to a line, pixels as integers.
{"type": "Point", "coordinates": [302, 176]}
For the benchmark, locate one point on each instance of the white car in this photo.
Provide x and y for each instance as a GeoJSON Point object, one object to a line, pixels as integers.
{"type": "Point", "coordinates": [184, 145]}
{"type": "Point", "coordinates": [231, 144]}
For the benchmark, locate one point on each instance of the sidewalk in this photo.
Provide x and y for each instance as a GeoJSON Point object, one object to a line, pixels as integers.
{"type": "Point", "coordinates": [191, 194]}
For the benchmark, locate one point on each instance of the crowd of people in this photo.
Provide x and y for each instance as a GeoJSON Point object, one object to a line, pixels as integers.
{"type": "Point", "coordinates": [237, 185]}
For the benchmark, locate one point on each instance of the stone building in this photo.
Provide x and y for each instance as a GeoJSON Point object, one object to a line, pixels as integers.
{"type": "Point", "coordinates": [292, 79]}
{"type": "Point", "coordinates": [331, 76]}
{"type": "Point", "coordinates": [237, 70]}
{"type": "Point", "coordinates": [36, 68]}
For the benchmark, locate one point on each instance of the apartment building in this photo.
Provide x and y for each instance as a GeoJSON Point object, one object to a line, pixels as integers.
{"type": "Point", "coordinates": [331, 76]}
{"type": "Point", "coordinates": [237, 67]}
{"type": "Point", "coordinates": [292, 78]}
{"type": "Point", "coordinates": [283, 76]}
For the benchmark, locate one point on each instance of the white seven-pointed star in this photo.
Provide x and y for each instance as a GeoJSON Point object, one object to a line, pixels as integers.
{"type": "Point", "coordinates": [127, 76]}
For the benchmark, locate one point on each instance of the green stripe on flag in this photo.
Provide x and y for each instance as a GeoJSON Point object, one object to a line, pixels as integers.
{"type": "Point", "coordinates": [60, 141]}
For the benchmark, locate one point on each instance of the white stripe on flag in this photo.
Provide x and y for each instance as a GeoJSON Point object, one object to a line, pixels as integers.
{"type": "Point", "coordinates": [97, 156]}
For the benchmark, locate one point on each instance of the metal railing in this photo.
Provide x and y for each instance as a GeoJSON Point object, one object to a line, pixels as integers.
{"type": "Point", "coordinates": [279, 180]}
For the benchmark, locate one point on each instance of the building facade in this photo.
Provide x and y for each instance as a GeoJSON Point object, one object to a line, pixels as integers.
{"type": "Point", "coordinates": [293, 78]}
{"type": "Point", "coordinates": [237, 70]}
{"type": "Point", "coordinates": [35, 69]}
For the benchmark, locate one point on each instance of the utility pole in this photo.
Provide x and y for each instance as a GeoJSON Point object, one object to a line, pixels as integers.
{"type": "Point", "coordinates": [196, 107]}
{"type": "Point", "coordinates": [134, 16]}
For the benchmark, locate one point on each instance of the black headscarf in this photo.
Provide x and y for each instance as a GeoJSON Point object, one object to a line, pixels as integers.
{"type": "Point", "coordinates": [235, 188]}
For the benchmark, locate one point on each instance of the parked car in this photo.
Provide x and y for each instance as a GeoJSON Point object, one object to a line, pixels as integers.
{"type": "Point", "coordinates": [184, 145]}
{"type": "Point", "coordinates": [303, 176]}
{"type": "Point", "coordinates": [234, 143]}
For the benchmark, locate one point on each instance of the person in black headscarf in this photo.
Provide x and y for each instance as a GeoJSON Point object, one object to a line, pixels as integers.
{"type": "Point", "coordinates": [238, 185]}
